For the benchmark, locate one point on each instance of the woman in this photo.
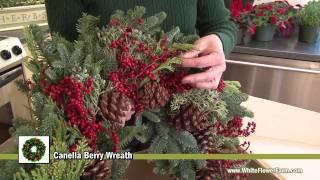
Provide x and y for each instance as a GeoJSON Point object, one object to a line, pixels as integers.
{"type": "Point", "coordinates": [209, 17]}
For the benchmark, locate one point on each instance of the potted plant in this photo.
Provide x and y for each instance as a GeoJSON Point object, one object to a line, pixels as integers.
{"type": "Point", "coordinates": [309, 22]}
{"type": "Point", "coordinates": [241, 16]}
{"type": "Point", "coordinates": [287, 25]}
{"type": "Point", "coordinates": [267, 16]}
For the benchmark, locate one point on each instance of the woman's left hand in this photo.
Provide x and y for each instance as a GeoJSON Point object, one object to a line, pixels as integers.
{"type": "Point", "coordinates": [210, 55]}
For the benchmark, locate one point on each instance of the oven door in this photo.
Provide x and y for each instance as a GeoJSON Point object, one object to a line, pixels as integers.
{"type": "Point", "coordinates": [13, 103]}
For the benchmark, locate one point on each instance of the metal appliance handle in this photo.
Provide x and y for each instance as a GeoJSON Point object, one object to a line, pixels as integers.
{"type": "Point", "coordinates": [274, 67]}
{"type": "Point", "coordinates": [9, 76]}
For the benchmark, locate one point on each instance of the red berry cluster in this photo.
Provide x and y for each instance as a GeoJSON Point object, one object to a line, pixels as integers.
{"type": "Point", "coordinates": [136, 61]}
{"type": "Point", "coordinates": [245, 146]}
{"type": "Point", "coordinates": [116, 142]}
{"type": "Point", "coordinates": [29, 85]}
{"type": "Point", "coordinates": [234, 128]}
{"type": "Point", "coordinates": [221, 85]}
{"type": "Point", "coordinates": [69, 94]}
{"type": "Point", "coordinates": [173, 82]}
{"type": "Point", "coordinates": [74, 146]}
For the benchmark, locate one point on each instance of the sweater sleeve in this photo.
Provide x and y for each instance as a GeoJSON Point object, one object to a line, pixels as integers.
{"type": "Point", "coordinates": [63, 16]}
{"type": "Point", "coordinates": [214, 18]}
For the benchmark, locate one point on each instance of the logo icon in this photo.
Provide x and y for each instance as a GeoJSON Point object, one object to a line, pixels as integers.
{"type": "Point", "coordinates": [34, 149]}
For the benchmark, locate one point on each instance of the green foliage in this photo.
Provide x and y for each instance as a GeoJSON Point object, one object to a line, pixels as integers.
{"type": "Point", "coordinates": [87, 27]}
{"type": "Point", "coordinates": [126, 135]}
{"type": "Point", "coordinates": [9, 168]}
{"type": "Point", "coordinates": [21, 85]}
{"type": "Point", "coordinates": [65, 58]}
{"type": "Point", "coordinates": [262, 14]}
{"type": "Point", "coordinates": [205, 100]}
{"type": "Point", "coordinates": [130, 16]}
{"type": "Point", "coordinates": [184, 42]}
{"type": "Point", "coordinates": [58, 170]}
{"type": "Point", "coordinates": [233, 98]}
{"type": "Point", "coordinates": [104, 143]}
{"type": "Point", "coordinates": [151, 116]}
{"type": "Point", "coordinates": [152, 24]}
{"type": "Point", "coordinates": [310, 14]}
{"type": "Point", "coordinates": [48, 118]}
{"type": "Point", "coordinates": [169, 65]}
{"type": "Point", "coordinates": [37, 100]}
{"type": "Point", "coordinates": [142, 132]}
{"type": "Point", "coordinates": [168, 140]}
{"type": "Point", "coordinates": [221, 113]}
{"type": "Point", "coordinates": [183, 47]}
{"type": "Point", "coordinates": [23, 127]}
{"type": "Point", "coordinates": [118, 169]}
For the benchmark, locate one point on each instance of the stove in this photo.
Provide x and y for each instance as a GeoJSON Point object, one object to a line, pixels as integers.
{"type": "Point", "coordinates": [13, 103]}
{"type": "Point", "coordinates": [11, 52]}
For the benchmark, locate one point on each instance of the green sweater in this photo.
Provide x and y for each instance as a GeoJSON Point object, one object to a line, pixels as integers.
{"type": "Point", "coordinates": [206, 16]}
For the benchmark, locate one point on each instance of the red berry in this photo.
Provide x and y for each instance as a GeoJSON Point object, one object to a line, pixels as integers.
{"type": "Point", "coordinates": [140, 21]}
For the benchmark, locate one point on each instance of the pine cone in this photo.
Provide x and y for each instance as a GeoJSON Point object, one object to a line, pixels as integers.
{"type": "Point", "coordinates": [207, 140]}
{"type": "Point", "coordinates": [206, 173]}
{"type": "Point", "coordinates": [153, 95]}
{"type": "Point", "coordinates": [212, 170]}
{"type": "Point", "coordinates": [115, 107]}
{"type": "Point", "coordinates": [98, 170]}
{"type": "Point", "coordinates": [189, 118]}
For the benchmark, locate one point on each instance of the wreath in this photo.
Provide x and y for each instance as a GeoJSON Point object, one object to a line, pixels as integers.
{"type": "Point", "coordinates": [83, 91]}
{"type": "Point", "coordinates": [33, 143]}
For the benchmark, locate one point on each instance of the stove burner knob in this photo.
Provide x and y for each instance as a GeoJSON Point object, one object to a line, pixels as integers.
{"type": "Point", "coordinates": [16, 50]}
{"type": "Point", "coordinates": [5, 54]}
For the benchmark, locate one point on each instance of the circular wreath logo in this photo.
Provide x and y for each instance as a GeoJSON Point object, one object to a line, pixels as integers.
{"type": "Point", "coordinates": [33, 149]}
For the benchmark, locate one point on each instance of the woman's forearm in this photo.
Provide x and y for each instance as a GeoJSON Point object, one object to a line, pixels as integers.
{"type": "Point", "coordinates": [214, 18]}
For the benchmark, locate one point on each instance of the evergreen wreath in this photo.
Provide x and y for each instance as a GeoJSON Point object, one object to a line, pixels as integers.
{"type": "Point", "coordinates": [27, 149]}
{"type": "Point", "coordinates": [82, 91]}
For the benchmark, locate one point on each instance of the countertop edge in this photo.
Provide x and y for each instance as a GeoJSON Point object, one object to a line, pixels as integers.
{"type": "Point", "coordinates": [276, 54]}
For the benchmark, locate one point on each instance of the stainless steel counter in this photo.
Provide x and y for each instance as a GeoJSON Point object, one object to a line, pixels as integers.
{"type": "Point", "coordinates": [289, 48]}
{"type": "Point", "coordinates": [284, 71]}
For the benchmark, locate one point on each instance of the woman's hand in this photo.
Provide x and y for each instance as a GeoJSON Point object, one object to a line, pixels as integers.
{"type": "Point", "coordinates": [210, 55]}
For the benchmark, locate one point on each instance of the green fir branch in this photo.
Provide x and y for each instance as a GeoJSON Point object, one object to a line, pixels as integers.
{"type": "Point", "coordinates": [151, 116]}
{"type": "Point", "coordinates": [126, 135]}
{"type": "Point", "coordinates": [118, 169]}
{"type": "Point", "coordinates": [184, 47]}
{"type": "Point", "coordinates": [205, 100]}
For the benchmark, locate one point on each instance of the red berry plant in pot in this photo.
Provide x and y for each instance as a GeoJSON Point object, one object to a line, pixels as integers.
{"type": "Point", "coordinates": [270, 16]}
{"type": "Point", "coordinates": [287, 26]}
{"type": "Point", "coordinates": [83, 94]}
{"type": "Point", "coordinates": [241, 16]}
